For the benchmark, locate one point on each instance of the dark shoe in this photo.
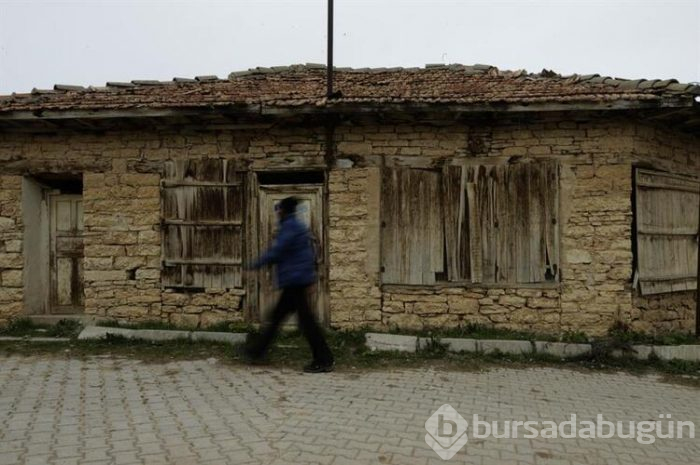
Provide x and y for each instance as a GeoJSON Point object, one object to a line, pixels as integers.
{"type": "Point", "coordinates": [315, 367]}
{"type": "Point", "coordinates": [251, 356]}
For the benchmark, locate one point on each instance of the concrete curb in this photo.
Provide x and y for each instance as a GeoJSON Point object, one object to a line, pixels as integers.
{"type": "Point", "coordinates": [689, 353]}
{"type": "Point", "coordinates": [229, 338]}
{"type": "Point", "coordinates": [504, 346]}
{"type": "Point", "coordinates": [562, 349]}
{"type": "Point", "coordinates": [400, 343]}
{"type": "Point", "coordinates": [34, 339]}
{"type": "Point", "coordinates": [404, 343]}
{"type": "Point", "coordinates": [157, 335]}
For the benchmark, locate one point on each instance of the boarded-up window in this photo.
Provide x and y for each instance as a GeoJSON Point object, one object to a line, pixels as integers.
{"type": "Point", "coordinates": [667, 231]}
{"type": "Point", "coordinates": [413, 240]}
{"type": "Point", "coordinates": [498, 224]}
{"type": "Point", "coordinates": [511, 222]}
{"type": "Point", "coordinates": [202, 224]}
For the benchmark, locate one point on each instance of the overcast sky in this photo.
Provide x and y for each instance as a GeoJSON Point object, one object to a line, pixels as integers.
{"type": "Point", "coordinates": [89, 42]}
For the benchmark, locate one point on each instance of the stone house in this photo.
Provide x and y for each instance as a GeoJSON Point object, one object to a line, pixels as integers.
{"type": "Point", "coordinates": [437, 197]}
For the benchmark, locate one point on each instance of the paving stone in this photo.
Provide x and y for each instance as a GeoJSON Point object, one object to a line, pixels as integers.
{"type": "Point", "coordinates": [204, 413]}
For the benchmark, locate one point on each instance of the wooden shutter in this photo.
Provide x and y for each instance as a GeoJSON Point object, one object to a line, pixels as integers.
{"type": "Point", "coordinates": [202, 224]}
{"type": "Point", "coordinates": [511, 216]}
{"type": "Point", "coordinates": [666, 231]}
{"type": "Point", "coordinates": [412, 236]}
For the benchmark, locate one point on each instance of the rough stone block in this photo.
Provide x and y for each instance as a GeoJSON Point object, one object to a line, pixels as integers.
{"type": "Point", "coordinates": [578, 256]}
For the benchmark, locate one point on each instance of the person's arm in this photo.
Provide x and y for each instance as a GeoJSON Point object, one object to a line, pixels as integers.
{"type": "Point", "coordinates": [279, 247]}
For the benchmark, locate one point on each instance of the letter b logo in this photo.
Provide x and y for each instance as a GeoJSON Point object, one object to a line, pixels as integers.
{"type": "Point", "coordinates": [446, 431]}
{"type": "Point", "coordinates": [441, 427]}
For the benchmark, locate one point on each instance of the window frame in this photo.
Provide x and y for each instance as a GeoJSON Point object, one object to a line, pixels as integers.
{"type": "Point", "coordinates": [468, 215]}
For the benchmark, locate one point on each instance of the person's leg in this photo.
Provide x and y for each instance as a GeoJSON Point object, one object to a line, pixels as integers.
{"type": "Point", "coordinates": [285, 305]}
{"type": "Point", "coordinates": [310, 328]}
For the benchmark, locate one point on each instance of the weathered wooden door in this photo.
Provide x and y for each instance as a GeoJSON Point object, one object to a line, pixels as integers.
{"type": "Point", "coordinates": [66, 253]}
{"type": "Point", "coordinates": [310, 212]}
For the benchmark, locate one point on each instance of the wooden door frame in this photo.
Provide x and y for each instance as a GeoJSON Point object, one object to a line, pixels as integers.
{"type": "Point", "coordinates": [254, 191]}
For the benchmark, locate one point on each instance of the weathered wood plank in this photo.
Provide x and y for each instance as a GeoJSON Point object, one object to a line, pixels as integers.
{"type": "Point", "coordinates": [475, 247]}
{"type": "Point", "coordinates": [454, 218]}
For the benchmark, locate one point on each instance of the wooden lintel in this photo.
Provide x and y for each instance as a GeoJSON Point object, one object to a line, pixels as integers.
{"type": "Point", "coordinates": [212, 262]}
{"type": "Point", "coordinates": [170, 184]}
{"type": "Point", "coordinates": [402, 108]}
{"type": "Point", "coordinates": [212, 223]}
{"type": "Point", "coordinates": [43, 115]}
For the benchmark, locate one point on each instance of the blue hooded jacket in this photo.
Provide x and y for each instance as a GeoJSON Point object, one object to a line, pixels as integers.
{"type": "Point", "coordinates": [293, 253]}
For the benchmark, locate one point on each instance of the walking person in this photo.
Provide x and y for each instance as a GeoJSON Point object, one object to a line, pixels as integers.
{"type": "Point", "coordinates": [292, 252]}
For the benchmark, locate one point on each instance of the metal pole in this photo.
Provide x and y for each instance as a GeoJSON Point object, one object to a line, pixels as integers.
{"type": "Point", "coordinates": [697, 290]}
{"type": "Point", "coordinates": [329, 71]}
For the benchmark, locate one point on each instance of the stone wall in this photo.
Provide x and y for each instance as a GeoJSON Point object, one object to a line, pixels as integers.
{"type": "Point", "coordinates": [596, 160]}
{"type": "Point", "coordinates": [536, 310]}
{"type": "Point", "coordinates": [122, 244]}
{"type": "Point", "coordinates": [11, 258]}
{"type": "Point", "coordinates": [122, 213]}
{"type": "Point", "coordinates": [122, 220]}
{"type": "Point", "coordinates": [355, 297]}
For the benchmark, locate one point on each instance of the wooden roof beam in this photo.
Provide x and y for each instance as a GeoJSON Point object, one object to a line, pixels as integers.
{"type": "Point", "coordinates": [343, 107]}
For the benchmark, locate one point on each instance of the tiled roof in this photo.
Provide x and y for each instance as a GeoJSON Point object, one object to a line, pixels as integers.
{"type": "Point", "coordinates": [297, 85]}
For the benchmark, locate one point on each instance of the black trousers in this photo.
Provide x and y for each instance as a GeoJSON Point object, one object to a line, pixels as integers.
{"type": "Point", "coordinates": [294, 299]}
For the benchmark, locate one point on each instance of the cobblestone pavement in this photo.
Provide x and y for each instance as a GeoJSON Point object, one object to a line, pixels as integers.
{"type": "Point", "coordinates": [116, 411]}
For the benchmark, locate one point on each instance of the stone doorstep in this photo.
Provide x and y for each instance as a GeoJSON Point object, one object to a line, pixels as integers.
{"type": "Point", "coordinates": [404, 343]}
{"type": "Point", "coordinates": [100, 332]}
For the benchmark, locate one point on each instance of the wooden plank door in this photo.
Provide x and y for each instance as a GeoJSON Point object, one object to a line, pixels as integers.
{"type": "Point", "coordinates": [66, 254]}
{"type": "Point", "coordinates": [310, 212]}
